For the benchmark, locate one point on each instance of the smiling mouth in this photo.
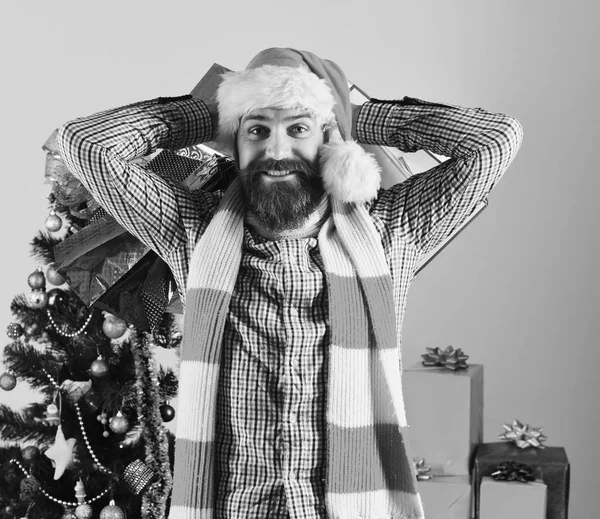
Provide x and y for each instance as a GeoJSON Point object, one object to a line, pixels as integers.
{"type": "Point", "coordinates": [278, 174]}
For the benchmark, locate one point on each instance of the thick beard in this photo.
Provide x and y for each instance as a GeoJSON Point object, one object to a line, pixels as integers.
{"type": "Point", "coordinates": [279, 206]}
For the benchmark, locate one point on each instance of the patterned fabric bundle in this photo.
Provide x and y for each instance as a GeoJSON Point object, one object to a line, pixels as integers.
{"type": "Point", "coordinates": [369, 473]}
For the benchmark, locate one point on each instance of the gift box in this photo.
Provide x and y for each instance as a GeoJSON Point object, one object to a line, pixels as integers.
{"type": "Point", "coordinates": [446, 497]}
{"type": "Point", "coordinates": [549, 465]}
{"type": "Point", "coordinates": [444, 410]}
{"type": "Point", "coordinates": [502, 499]}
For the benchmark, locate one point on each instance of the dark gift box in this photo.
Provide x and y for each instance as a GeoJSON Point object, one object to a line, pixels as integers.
{"type": "Point", "coordinates": [551, 465]}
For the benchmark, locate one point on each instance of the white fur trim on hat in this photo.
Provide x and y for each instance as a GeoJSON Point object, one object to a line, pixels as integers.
{"type": "Point", "coordinates": [271, 86]}
{"type": "Point", "coordinates": [349, 173]}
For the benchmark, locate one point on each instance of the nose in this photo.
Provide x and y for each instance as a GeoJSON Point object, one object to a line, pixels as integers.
{"type": "Point", "coordinates": [278, 145]}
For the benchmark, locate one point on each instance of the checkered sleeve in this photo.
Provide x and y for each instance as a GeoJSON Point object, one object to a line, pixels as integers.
{"type": "Point", "coordinates": [100, 151]}
{"type": "Point", "coordinates": [428, 207]}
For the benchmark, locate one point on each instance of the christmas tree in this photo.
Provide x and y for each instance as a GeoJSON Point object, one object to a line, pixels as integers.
{"type": "Point", "coordinates": [96, 445]}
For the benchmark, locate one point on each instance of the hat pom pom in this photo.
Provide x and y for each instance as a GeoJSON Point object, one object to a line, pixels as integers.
{"type": "Point", "coordinates": [349, 172]}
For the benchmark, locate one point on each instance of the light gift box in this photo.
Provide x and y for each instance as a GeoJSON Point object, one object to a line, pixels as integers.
{"type": "Point", "coordinates": [445, 413]}
{"type": "Point", "coordinates": [446, 497]}
{"type": "Point", "coordinates": [502, 499]}
{"type": "Point", "coordinates": [549, 464]}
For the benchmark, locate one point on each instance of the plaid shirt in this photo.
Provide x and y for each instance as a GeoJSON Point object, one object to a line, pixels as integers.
{"type": "Point", "coordinates": [271, 401]}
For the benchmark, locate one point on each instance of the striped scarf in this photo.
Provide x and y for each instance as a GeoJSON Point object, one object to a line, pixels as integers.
{"type": "Point", "coordinates": [369, 473]}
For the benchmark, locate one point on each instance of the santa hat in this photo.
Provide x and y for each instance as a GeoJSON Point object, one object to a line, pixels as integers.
{"type": "Point", "coordinates": [287, 79]}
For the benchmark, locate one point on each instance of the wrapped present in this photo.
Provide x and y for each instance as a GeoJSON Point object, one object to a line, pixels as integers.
{"type": "Point", "coordinates": [108, 267]}
{"type": "Point", "coordinates": [445, 412]}
{"type": "Point", "coordinates": [446, 497]}
{"type": "Point", "coordinates": [549, 465]}
{"type": "Point", "coordinates": [502, 499]}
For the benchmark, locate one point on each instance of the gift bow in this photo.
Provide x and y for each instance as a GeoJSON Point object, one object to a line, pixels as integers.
{"type": "Point", "coordinates": [422, 470]}
{"type": "Point", "coordinates": [448, 358]}
{"type": "Point", "coordinates": [524, 436]}
{"type": "Point", "coordinates": [513, 471]}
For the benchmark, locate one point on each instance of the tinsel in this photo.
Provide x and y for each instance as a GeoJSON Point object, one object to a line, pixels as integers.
{"type": "Point", "coordinates": [156, 443]}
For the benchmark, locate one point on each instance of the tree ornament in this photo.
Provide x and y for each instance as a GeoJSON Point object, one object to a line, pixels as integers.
{"type": "Point", "coordinates": [76, 389]}
{"type": "Point", "coordinates": [99, 368]}
{"type": "Point", "coordinates": [119, 424]}
{"type": "Point", "coordinates": [114, 327]}
{"type": "Point", "coordinates": [84, 511]}
{"type": "Point", "coordinates": [69, 514]}
{"type": "Point", "coordinates": [52, 415]}
{"type": "Point", "coordinates": [55, 295]}
{"type": "Point", "coordinates": [37, 280]}
{"type": "Point", "coordinates": [30, 453]}
{"type": "Point", "coordinates": [137, 476]}
{"type": "Point", "coordinates": [53, 222]}
{"type": "Point", "coordinates": [37, 299]}
{"type": "Point", "coordinates": [167, 413]}
{"type": "Point", "coordinates": [29, 488]}
{"type": "Point", "coordinates": [92, 399]}
{"type": "Point", "coordinates": [112, 511]}
{"type": "Point", "coordinates": [61, 453]}
{"type": "Point", "coordinates": [14, 330]}
{"type": "Point", "coordinates": [8, 381]}
{"type": "Point", "coordinates": [53, 276]}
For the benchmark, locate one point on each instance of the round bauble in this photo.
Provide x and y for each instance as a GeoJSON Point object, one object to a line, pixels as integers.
{"type": "Point", "coordinates": [38, 299]}
{"type": "Point", "coordinates": [8, 381]}
{"type": "Point", "coordinates": [167, 413]}
{"type": "Point", "coordinates": [30, 453]}
{"type": "Point", "coordinates": [119, 424]}
{"type": "Point", "coordinates": [52, 415]}
{"type": "Point", "coordinates": [53, 277]}
{"type": "Point", "coordinates": [14, 330]}
{"type": "Point", "coordinates": [53, 222]}
{"type": "Point", "coordinates": [37, 280]}
{"type": "Point", "coordinates": [113, 327]}
{"type": "Point", "coordinates": [84, 511]}
{"type": "Point", "coordinates": [112, 511]}
{"type": "Point", "coordinates": [99, 368]}
{"type": "Point", "coordinates": [55, 296]}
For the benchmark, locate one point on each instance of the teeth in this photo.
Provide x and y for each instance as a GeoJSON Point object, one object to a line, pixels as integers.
{"type": "Point", "coordinates": [278, 173]}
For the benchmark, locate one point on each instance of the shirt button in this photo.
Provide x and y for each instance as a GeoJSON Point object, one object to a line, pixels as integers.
{"type": "Point", "coordinates": [292, 476]}
{"type": "Point", "coordinates": [293, 418]}
{"type": "Point", "coordinates": [294, 312]}
{"type": "Point", "coordinates": [294, 363]}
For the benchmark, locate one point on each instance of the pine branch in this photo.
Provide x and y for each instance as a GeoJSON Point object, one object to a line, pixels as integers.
{"type": "Point", "coordinates": [42, 247]}
{"type": "Point", "coordinates": [169, 385]}
{"type": "Point", "coordinates": [26, 362]}
{"type": "Point", "coordinates": [15, 426]}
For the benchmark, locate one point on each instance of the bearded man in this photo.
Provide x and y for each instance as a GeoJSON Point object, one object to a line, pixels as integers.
{"type": "Point", "coordinates": [295, 279]}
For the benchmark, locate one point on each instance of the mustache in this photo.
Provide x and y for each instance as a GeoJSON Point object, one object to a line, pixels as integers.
{"type": "Point", "coordinates": [290, 164]}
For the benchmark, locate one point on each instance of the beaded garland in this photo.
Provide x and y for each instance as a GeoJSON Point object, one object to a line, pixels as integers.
{"type": "Point", "coordinates": [83, 433]}
{"type": "Point", "coordinates": [52, 498]}
{"type": "Point", "coordinates": [60, 330]}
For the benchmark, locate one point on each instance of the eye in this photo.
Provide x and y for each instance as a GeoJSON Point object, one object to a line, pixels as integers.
{"type": "Point", "coordinates": [298, 128]}
{"type": "Point", "coordinates": [257, 130]}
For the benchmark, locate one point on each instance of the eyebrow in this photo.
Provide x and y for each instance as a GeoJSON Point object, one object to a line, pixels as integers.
{"type": "Point", "coordinates": [259, 117]}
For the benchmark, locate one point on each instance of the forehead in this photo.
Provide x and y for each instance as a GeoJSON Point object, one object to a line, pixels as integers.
{"type": "Point", "coordinates": [277, 115]}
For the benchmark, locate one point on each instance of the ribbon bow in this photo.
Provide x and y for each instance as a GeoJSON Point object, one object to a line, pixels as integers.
{"type": "Point", "coordinates": [448, 358]}
{"type": "Point", "coordinates": [523, 436]}
{"type": "Point", "coordinates": [422, 469]}
{"type": "Point", "coordinates": [513, 471]}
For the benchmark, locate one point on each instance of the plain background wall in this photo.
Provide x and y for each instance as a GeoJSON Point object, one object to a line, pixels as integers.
{"type": "Point", "coordinates": [518, 291]}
